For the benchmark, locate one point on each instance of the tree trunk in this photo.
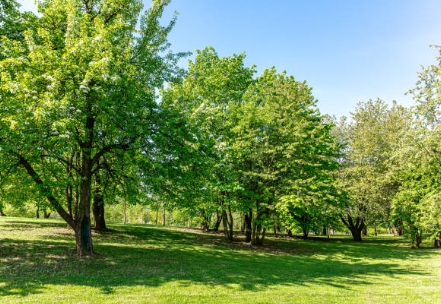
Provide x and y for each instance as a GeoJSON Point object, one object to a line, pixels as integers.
{"type": "Point", "coordinates": [2, 213]}
{"type": "Point", "coordinates": [227, 226]}
{"type": "Point", "coordinates": [98, 205]}
{"type": "Point", "coordinates": [305, 233]}
{"type": "Point", "coordinates": [205, 225]}
{"type": "Point", "coordinates": [248, 219]}
{"type": "Point", "coordinates": [83, 237]}
{"type": "Point", "coordinates": [218, 221]}
{"type": "Point", "coordinates": [157, 217]}
{"type": "Point", "coordinates": [46, 214]}
{"type": "Point", "coordinates": [81, 224]}
{"type": "Point", "coordinates": [83, 233]}
{"type": "Point", "coordinates": [163, 214]}
{"type": "Point", "coordinates": [355, 228]}
{"type": "Point", "coordinates": [230, 221]}
{"type": "Point", "coordinates": [258, 233]}
{"type": "Point", "coordinates": [98, 213]}
{"type": "Point", "coordinates": [398, 228]}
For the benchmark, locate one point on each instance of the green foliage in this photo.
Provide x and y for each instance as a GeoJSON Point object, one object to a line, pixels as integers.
{"type": "Point", "coordinates": [78, 95]}
{"type": "Point", "coordinates": [418, 161]}
{"type": "Point", "coordinates": [372, 138]}
{"type": "Point", "coordinates": [283, 149]}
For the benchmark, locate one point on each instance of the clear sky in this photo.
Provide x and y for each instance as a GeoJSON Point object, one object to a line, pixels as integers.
{"type": "Point", "coordinates": [347, 50]}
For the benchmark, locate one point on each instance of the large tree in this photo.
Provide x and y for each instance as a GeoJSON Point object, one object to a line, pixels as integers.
{"type": "Point", "coordinates": [81, 87]}
{"type": "Point", "coordinates": [212, 88]}
{"type": "Point", "coordinates": [372, 138]}
{"type": "Point", "coordinates": [283, 150]}
{"type": "Point", "coordinates": [417, 167]}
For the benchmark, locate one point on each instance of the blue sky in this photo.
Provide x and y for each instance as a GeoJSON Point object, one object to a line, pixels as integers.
{"type": "Point", "coordinates": [347, 50]}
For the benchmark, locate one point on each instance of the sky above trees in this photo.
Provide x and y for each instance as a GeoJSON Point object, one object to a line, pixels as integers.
{"type": "Point", "coordinates": [347, 51]}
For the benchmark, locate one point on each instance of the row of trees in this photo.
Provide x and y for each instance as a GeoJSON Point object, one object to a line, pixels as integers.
{"type": "Point", "coordinates": [94, 110]}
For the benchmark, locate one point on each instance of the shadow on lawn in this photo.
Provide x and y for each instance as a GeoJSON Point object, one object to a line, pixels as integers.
{"type": "Point", "coordinates": [146, 256]}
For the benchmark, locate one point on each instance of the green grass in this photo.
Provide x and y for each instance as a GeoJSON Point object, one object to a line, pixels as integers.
{"type": "Point", "coordinates": [147, 264]}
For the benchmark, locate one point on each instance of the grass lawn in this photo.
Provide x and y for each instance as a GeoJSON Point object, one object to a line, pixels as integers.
{"type": "Point", "coordinates": [148, 264]}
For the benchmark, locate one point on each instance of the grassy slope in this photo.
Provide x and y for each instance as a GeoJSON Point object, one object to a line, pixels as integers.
{"type": "Point", "coordinates": [145, 264]}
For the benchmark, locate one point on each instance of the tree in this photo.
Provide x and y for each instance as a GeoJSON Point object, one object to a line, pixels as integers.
{"type": "Point", "coordinates": [416, 204]}
{"type": "Point", "coordinates": [372, 138]}
{"type": "Point", "coordinates": [283, 150]}
{"type": "Point", "coordinates": [212, 87]}
{"type": "Point", "coordinates": [83, 87]}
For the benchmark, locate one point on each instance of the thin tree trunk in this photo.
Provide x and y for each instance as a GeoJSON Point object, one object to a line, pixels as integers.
{"type": "Point", "coordinates": [258, 233]}
{"type": "Point", "coordinates": [227, 231]}
{"type": "Point", "coordinates": [98, 213]}
{"type": "Point", "coordinates": [230, 222]}
{"type": "Point", "coordinates": [218, 221]}
{"type": "Point", "coordinates": [98, 205]}
{"type": "Point", "coordinates": [248, 219]}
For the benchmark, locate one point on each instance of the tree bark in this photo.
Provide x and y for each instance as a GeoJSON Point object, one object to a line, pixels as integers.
{"type": "Point", "coordinates": [227, 226]}
{"type": "Point", "coordinates": [98, 205]}
{"type": "Point", "coordinates": [258, 233]}
{"type": "Point", "coordinates": [355, 228]}
{"type": "Point", "coordinates": [46, 214]}
{"type": "Point", "coordinates": [80, 225]}
{"type": "Point", "coordinates": [218, 221]}
{"type": "Point", "coordinates": [248, 219]}
{"type": "Point", "coordinates": [305, 233]}
{"type": "Point", "coordinates": [98, 213]}
{"type": "Point", "coordinates": [2, 213]}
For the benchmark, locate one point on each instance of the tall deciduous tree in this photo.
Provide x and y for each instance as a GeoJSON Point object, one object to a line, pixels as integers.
{"type": "Point", "coordinates": [418, 161]}
{"type": "Point", "coordinates": [82, 87]}
{"type": "Point", "coordinates": [283, 150]}
{"type": "Point", "coordinates": [212, 87]}
{"type": "Point", "coordinates": [372, 138]}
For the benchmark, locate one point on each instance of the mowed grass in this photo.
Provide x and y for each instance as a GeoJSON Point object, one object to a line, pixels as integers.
{"type": "Point", "coordinates": [148, 264]}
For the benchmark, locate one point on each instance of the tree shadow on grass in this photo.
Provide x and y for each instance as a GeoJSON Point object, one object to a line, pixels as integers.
{"type": "Point", "coordinates": [150, 257]}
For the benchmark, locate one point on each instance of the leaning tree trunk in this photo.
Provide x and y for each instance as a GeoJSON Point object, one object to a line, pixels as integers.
{"type": "Point", "coordinates": [81, 224]}
{"type": "Point", "coordinates": [218, 221]}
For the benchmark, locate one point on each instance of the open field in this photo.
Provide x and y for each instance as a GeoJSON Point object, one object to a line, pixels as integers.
{"type": "Point", "coordinates": [147, 264]}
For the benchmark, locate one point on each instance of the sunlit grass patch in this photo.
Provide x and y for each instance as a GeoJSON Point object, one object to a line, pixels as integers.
{"type": "Point", "coordinates": [147, 264]}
